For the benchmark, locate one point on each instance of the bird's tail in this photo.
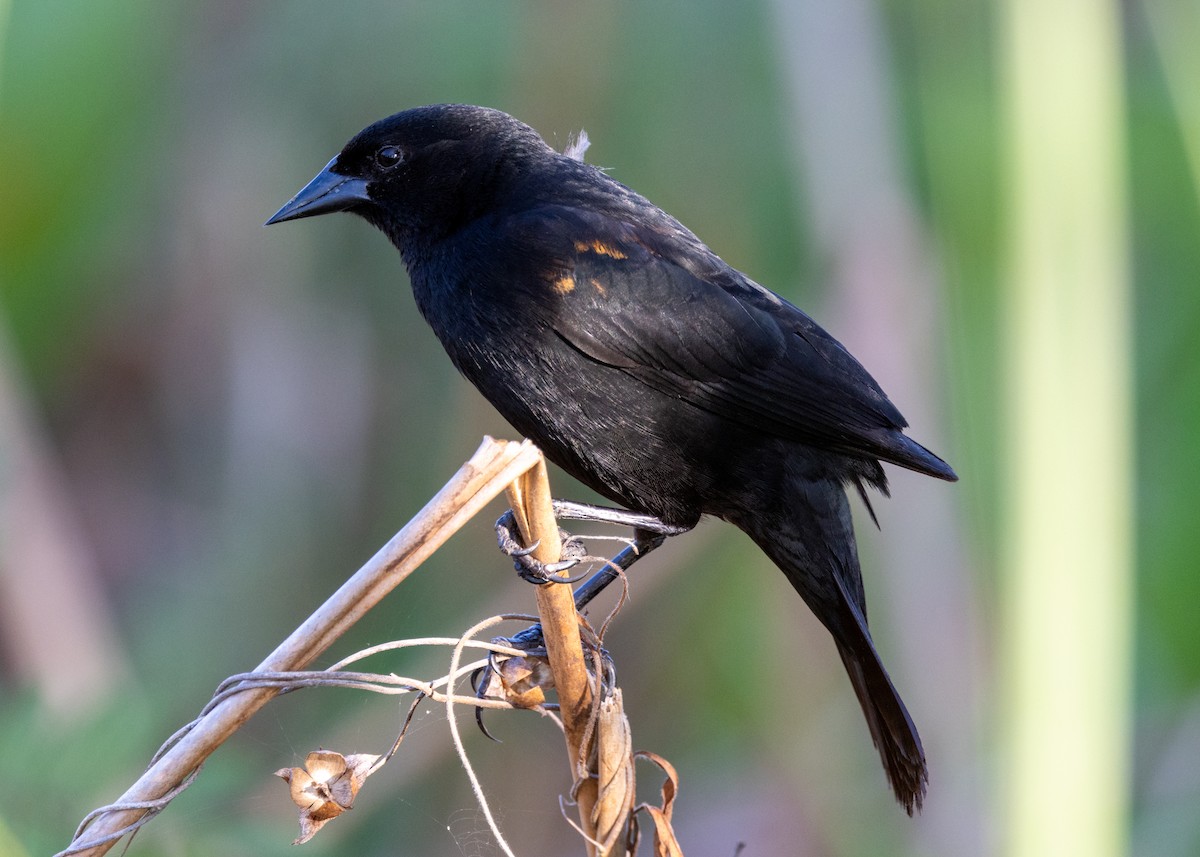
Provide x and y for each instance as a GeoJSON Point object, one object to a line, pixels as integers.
{"type": "Point", "coordinates": [812, 541]}
{"type": "Point", "coordinates": [891, 727]}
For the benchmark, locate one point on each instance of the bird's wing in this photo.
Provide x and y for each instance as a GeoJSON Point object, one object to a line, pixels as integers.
{"type": "Point", "coordinates": [654, 302]}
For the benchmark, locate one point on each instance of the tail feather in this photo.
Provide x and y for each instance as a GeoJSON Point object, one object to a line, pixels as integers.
{"type": "Point", "coordinates": [812, 542]}
{"type": "Point", "coordinates": [891, 727]}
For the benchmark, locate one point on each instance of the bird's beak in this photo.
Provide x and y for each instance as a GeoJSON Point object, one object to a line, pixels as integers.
{"type": "Point", "coordinates": [329, 191]}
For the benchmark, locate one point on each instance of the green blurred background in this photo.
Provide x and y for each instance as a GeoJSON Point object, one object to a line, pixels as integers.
{"type": "Point", "coordinates": [205, 425]}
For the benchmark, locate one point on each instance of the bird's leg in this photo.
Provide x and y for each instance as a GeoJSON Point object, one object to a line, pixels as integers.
{"type": "Point", "coordinates": [648, 533]}
{"type": "Point", "coordinates": [644, 541]}
{"type": "Point", "coordinates": [573, 511]}
{"type": "Point", "coordinates": [646, 528]}
{"type": "Point", "coordinates": [532, 641]}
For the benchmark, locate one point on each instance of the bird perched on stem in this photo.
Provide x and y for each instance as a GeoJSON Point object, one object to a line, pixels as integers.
{"type": "Point", "coordinates": [639, 361]}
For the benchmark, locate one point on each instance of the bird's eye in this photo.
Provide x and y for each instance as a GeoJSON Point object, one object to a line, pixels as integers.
{"type": "Point", "coordinates": [389, 156]}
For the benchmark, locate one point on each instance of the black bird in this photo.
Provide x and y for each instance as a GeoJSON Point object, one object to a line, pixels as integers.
{"type": "Point", "coordinates": [639, 361]}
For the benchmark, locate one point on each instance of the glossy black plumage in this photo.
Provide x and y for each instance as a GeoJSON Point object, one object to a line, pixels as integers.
{"type": "Point", "coordinates": [637, 360]}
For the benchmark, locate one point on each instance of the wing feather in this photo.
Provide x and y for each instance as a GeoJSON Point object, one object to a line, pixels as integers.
{"type": "Point", "coordinates": [654, 302]}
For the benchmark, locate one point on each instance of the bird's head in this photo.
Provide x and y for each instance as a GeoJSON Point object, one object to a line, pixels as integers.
{"type": "Point", "coordinates": [422, 173]}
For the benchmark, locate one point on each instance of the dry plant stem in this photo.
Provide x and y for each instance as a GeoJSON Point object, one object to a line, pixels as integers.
{"type": "Point", "coordinates": [393, 685]}
{"type": "Point", "coordinates": [530, 498]}
{"type": "Point", "coordinates": [493, 466]}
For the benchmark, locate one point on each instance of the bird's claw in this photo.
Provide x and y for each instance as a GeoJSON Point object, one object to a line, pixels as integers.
{"type": "Point", "coordinates": [535, 571]}
{"type": "Point", "coordinates": [528, 568]}
{"type": "Point", "coordinates": [519, 551]}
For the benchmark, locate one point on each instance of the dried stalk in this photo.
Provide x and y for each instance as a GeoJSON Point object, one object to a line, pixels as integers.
{"type": "Point", "coordinates": [493, 466]}
{"type": "Point", "coordinates": [529, 496]}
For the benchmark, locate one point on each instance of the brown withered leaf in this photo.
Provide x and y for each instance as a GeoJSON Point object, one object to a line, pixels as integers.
{"type": "Point", "coordinates": [615, 774]}
{"type": "Point", "coordinates": [524, 680]}
{"type": "Point", "coordinates": [665, 843]}
{"type": "Point", "coordinates": [325, 787]}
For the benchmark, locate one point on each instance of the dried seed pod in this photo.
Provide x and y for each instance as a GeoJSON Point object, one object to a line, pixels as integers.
{"type": "Point", "coordinates": [325, 787]}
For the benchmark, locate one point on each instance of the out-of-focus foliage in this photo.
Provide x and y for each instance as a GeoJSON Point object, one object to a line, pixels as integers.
{"type": "Point", "coordinates": [241, 416]}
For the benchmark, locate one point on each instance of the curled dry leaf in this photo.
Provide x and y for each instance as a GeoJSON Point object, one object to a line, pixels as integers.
{"type": "Point", "coordinates": [325, 787]}
{"type": "Point", "coordinates": [614, 771]}
{"type": "Point", "coordinates": [665, 843]}
{"type": "Point", "coordinates": [523, 680]}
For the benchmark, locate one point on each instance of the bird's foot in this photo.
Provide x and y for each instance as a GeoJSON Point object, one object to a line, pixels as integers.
{"type": "Point", "coordinates": [533, 570]}
{"type": "Point", "coordinates": [523, 680]}
{"type": "Point", "coordinates": [649, 533]}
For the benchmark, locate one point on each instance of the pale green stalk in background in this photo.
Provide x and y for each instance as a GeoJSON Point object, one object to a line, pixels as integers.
{"type": "Point", "coordinates": [1174, 24]}
{"type": "Point", "coordinates": [1067, 544]}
